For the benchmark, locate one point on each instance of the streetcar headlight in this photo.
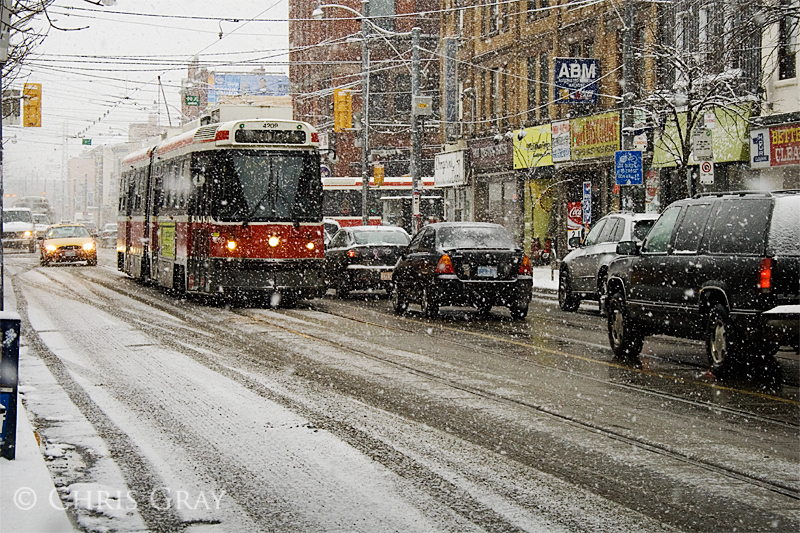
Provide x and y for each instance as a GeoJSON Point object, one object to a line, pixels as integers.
{"type": "Point", "coordinates": [274, 241]}
{"type": "Point", "coordinates": [50, 248]}
{"type": "Point", "coordinates": [231, 245]}
{"type": "Point", "coordinates": [310, 246]}
{"type": "Point", "coordinates": [88, 246]}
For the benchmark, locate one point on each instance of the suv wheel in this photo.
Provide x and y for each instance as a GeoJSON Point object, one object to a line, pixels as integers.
{"type": "Point", "coordinates": [399, 301]}
{"type": "Point", "coordinates": [429, 305]}
{"type": "Point", "coordinates": [623, 333]}
{"type": "Point", "coordinates": [721, 344]}
{"type": "Point", "coordinates": [567, 300]}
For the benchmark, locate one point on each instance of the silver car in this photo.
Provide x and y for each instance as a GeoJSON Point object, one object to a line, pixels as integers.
{"type": "Point", "coordinates": [583, 272]}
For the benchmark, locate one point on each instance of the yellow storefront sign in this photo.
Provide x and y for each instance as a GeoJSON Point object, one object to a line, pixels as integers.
{"type": "Point", "coordinates": [535, 149]}
{"type": "Point", "coordinates": [595, 136]}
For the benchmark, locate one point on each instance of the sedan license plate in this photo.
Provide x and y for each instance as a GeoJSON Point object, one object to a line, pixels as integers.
{"type": "Point", "coordinates": [386, 276]}
{"type": "Point", "coordinates": [69, 253]}
{"type": "Point", "coordinates": [487, 271]}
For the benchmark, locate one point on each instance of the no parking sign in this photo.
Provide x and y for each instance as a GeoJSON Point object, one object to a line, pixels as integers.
{"type": "Point", "coordinates": [706, 172]}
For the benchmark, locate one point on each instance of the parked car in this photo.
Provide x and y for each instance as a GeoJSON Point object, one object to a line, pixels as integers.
{"type": "Point", "coordinates": [363, 258]}
{"type": "Point", "coordinates": [91, 226]}
{"type": "Point", "coordinates": [18, 229]}
{"type": "Point", "coordinates": [108, 235]}
{"type": "Point", "coordinates": [67, 243]}
{"type": "Point", "coordinates": [329, 229]}
{"type": "Point", "coordinates": [584, 271]}
{"type": "Point", "coordinates": [463, 264]}
{"type": "Point", "coordinates": [718, 267]}
{"type": "Point", "coordinates": [40, 225]}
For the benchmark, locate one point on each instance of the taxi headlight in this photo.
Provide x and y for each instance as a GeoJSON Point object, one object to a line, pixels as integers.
{"type": "Point", "coordinates": [88, 246]}
{"type": "Point", "coordinates": [274, 241]}
{"type": "Point", "coordinates": [50, 248]}
{"type": "Point", "coordinates": [27, 233]}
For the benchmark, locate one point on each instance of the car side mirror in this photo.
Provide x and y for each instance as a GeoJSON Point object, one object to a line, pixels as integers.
{"type": "Point", "coordinates": [575, 242]}
{"type": "Point", "coordinates": [628, 248]}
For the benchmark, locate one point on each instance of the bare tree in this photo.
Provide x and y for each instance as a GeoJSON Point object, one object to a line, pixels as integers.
{"type": "Point", "coordinates": [708, 58]}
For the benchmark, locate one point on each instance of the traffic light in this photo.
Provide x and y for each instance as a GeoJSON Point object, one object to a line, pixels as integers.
{"type": "Point", "coordinates": [342, 110]}
{"type": "Point", "coordinates": [32, 105]}
{"type": "Point", "coordinates": [378, 173]}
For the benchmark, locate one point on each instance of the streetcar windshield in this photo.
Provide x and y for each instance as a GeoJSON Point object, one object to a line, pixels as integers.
{"type": "Point", "coordinates": [263, 185]}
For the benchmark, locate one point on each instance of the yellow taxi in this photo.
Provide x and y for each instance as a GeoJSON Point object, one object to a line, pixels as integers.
{"type": "Point", "coordinates": [66, 243]}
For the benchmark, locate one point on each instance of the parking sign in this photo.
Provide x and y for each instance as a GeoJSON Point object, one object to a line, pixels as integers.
{"type": "Point", "coordinates": [628, 167]}
{"type": "Point", "coordinates": [586, 203]}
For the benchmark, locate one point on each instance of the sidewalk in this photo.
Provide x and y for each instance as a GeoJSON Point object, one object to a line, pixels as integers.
{"type": "Point", "coordinates": [545, 280]}
{"type": "Point", "coordinates": [29, 501]}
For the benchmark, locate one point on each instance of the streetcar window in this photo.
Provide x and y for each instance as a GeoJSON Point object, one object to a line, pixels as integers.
{"type": "Point", "coordinates": [263, 185]}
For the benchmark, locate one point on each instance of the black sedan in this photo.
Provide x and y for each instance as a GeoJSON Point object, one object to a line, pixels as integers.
{"type": "Point", "coordinates": [463, 264]}
{"type": "Point", "coordinates": [363, 258]}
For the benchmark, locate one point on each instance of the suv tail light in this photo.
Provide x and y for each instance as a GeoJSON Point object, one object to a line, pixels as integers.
{"type": "Point", "coordinates": [445, 265]}
{"type": "Point", "coordinates": [525, 267]}
{"type": "Point", "coordinates": [765, 275]}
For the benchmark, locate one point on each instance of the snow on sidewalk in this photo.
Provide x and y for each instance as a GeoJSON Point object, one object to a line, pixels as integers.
{"type": "Point", "coordinates": [28, 498]}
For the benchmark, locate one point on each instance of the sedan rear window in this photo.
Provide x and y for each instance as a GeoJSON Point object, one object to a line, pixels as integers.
{"type": "Point", "coordinates": [381, 237]}
{"type": "Point", "coordinates": [473, 237]}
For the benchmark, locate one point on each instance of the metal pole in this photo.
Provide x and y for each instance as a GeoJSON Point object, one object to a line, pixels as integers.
{"type": "Point", "coordinates": [416, 144]}
{"type": "Point", "coordinates": [627, 66]}
{"type": "Point", "coordinates": [627, 95]}
{"type": "Point", "coordinates": [2, 198]}
{"type": "Point", "coordinates": [364, 112]}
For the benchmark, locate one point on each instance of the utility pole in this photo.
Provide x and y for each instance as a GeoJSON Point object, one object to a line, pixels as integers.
{"type": "Point", "coordinates": [627, 95]}
{"type": "Point", "coordinates": [365, 168]}
{"type": "Point", "coordinates": [416, 143]}
{"type": "Point", "coordinates": [5, 31]}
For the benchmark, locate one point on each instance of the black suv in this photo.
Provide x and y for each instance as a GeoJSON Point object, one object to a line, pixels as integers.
{"type": "Point", "coordinates": [723, 267]}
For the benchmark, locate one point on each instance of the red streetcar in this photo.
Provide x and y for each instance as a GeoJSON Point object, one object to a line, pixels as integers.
{"type": "Point", "coordinates": [231, 209]}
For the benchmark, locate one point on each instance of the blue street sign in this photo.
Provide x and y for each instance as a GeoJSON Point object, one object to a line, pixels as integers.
{"type": "Point", "coordinates": [629, 167]}
{"type": "Point", "coordinates": [586, 203]}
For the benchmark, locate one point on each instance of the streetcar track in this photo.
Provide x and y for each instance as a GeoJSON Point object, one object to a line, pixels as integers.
{"type": "Point", "coordinates": [449, 494]}
{"type": "Point", "coordinates": [660, 449]}
{"type": "Point", "coordinates": [656, 448]}
{"type": "Point", "coordinates": [729, 410]}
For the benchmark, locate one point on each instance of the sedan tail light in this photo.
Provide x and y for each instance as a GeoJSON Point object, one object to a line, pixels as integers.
{"type": "Point", "coordinates": [765, 275]}
{"type": "Point", "coordinates": [525, 267]}
{"type": "Point", "coordinates": [445, 265]}
{"type": "Point", "coordinates": [353, 254]}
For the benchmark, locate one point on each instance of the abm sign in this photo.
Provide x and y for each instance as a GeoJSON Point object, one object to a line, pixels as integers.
{"type": "Point", "coordinates": [576, 80]}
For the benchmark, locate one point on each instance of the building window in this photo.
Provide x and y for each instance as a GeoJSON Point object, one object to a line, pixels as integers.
{"type": "Point", "coordinates": [402, 93]}
{"type": "Point", "coordinates": [377, 96]}
{"type": "Point", "coordinates": [536, 12]}
{"type": "Point", "coordinates": [495, 94]}
{"type": "Point", "coordinates": [382, 13]}
{"type": "Point", "coordinates": [532, 102]}
{"type": "Point", "coordinates": [544, 85]}
{"type": "Point", "coordinates": [787, 46]}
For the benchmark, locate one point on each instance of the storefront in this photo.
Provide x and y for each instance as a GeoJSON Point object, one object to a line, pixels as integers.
{"type": "Point", "coordinates": [585, 176]}
{"type": "Point", "coordinates": [450, 177]}
{"type": "Point", "coordinates": [498, 191]}
{"type": "Point", "coordinates": [775, 152]}
{"type": "Point", "coordinates": [533, 161]}
{"type": "Point", "coordinates": [726, 154]}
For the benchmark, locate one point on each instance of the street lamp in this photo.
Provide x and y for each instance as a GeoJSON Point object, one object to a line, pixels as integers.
{"type": "Point", "coordinates": [366, 25]}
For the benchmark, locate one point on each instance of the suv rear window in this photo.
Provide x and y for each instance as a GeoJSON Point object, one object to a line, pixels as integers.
{"type": "Point", "coordinates": [740, 226]}
{"type": "Point", "coordinates": [784, 232]}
